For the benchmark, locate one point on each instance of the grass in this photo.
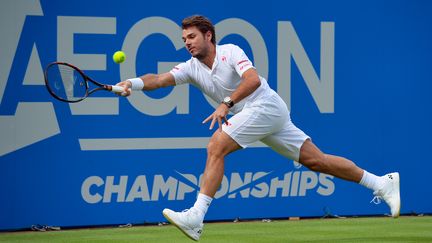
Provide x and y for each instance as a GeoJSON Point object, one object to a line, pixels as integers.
{"type": "Point", "coordinates": [403, 229]}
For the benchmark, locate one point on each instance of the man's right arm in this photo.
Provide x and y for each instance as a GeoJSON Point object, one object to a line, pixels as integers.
{"type": "Point", "coordinates": [156, 81]}
{"type": "Point", "coordinates": [151, 82]}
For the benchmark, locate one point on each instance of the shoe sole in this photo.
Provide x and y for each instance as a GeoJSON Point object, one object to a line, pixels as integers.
{"type": "Point", "coordinates": [178, 227]}
{"type": "Point", "coordinates": [398, 182]}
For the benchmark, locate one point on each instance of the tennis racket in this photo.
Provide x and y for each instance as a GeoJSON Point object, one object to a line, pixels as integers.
{"type": "Point", "coordinates": [68, 83]}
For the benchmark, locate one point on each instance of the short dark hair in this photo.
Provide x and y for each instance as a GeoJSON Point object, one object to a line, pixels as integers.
{"type": "Point", "coordinates": [202, 23]}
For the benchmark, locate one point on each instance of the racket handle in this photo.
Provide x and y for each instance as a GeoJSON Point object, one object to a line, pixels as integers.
{"type": "Point", "coordinates": [117, 89]}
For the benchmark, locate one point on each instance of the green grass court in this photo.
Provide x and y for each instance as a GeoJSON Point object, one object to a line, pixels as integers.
{"type": "Point", "coordinates": [373, 229]}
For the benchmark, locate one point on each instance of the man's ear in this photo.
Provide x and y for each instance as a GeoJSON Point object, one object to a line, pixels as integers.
{"type": "Point", "coordinates": [208, 35]}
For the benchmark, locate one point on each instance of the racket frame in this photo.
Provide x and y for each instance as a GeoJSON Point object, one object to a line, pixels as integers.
{"type": "Point", "coordinates": [86, 78]}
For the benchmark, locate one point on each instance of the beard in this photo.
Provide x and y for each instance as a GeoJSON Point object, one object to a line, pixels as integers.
{"type": "Point", "coordinates": [199, 56]}
{"type": "Point", "coordinates": [202, 54]}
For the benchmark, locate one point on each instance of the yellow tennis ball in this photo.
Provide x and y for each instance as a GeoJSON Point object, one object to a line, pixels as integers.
{"type": "Point", "coordinates": [119, 57]}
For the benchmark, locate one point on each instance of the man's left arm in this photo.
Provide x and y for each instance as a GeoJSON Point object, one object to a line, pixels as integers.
{"type": "Point", "coordinates": [250, 82]}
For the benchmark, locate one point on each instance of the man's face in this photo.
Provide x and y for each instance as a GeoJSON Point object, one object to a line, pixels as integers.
{"type": "Point", "coordinates": [196, 42]}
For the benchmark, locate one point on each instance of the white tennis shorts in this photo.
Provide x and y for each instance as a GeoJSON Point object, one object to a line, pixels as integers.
{"type": "Point", "coordinates": [267, 120]}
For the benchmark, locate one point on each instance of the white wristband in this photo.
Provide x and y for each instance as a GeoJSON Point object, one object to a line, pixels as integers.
{"type": "Point", "coordinates": [137, 83]}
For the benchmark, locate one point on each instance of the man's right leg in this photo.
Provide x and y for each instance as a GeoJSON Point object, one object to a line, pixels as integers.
{"type": "Point", "coordinates": [190, 221]}
{"type": "Point", "coordinates": [220, 145]}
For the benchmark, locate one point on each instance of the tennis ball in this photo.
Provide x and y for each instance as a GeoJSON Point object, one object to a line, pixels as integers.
{"type": "Point", "coordinates": [119, 57]}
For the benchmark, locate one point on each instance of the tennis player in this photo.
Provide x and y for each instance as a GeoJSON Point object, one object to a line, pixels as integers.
{"type": "Point", "coordinates": [225, 73]}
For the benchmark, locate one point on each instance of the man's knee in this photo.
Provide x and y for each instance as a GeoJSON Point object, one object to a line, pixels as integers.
{"type": "Point", "coordinates": [220, 145]}
{"type": "Point", "coordinates": [215, 147]}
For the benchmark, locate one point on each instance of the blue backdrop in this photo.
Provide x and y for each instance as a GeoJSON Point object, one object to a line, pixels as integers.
{"type": "Point", "coordinates": [356, 76]}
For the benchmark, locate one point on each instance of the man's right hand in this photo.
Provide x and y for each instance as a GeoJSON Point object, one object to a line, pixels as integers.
{"type": "Point", "coordinates": [127, 88]}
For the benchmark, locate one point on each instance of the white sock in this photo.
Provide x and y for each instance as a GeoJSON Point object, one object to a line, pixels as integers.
{"type": "Point", "coordinates": [202, 203]}
{"type": "Point", "coordinates": [371, 181]}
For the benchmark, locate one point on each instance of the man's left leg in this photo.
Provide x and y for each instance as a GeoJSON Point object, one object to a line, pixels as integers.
{"type": "Point", "coordinates": [312, 157]}
{"type": "Point", "coordinates": [385, 187]}
{"type": "Point", "coordinates": [190, 222]}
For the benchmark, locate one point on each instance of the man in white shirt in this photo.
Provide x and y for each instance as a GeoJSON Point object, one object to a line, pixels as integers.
{"type": "Point", "coordinates": [225, 73]}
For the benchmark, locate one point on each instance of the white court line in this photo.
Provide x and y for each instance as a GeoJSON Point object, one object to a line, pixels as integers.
{"type": "Point", "coordinates": [96, 144]}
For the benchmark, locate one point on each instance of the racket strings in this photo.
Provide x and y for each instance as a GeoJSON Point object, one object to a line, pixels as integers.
{"type": "Point", "coordinates": [67, 83]}
{"type": "Point", "coordinates": [69, 79]}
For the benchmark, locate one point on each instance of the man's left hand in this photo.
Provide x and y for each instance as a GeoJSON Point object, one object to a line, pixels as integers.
{"type": "Point", "coordinates": [218, 115]}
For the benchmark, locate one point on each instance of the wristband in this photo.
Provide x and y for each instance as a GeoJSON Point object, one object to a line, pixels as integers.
{"type": "Point", "coordinates": [137, 83]}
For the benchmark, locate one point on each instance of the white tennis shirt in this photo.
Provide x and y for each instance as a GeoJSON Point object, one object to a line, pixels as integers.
{"type": "Point", "coordinates": [225, 76]}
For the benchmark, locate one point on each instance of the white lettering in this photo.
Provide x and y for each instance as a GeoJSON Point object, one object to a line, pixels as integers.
{"type": "Point", "coordinates": [86, 187]}
{"type": "Point", "coordinates": [262, 189]}
{"type": "Point", "coordinates": [139, 190]}
{"type": "Point", "coordinates": [14, 14]}
{"type": "Point", "coordinates": [164, 187]}
{"type": "Point", "coordinates": [111, 188]}
{"type": "Point", "coordinates": [295, 183]}
{"type": "Point", "coordinates": [182, 190]}
{"type": "Point", "coordinates": [237, 182]}
{"type": "Point", "coordinates": [289, 45]}
{"type": "Point", "coordinates": [308, 181]}
{"type": "Point", "coordinates": [327, 186]}
{"type": "Point", "coordinates": [284, 184]}
{"type": "Point", "coordinates": [255, 184]}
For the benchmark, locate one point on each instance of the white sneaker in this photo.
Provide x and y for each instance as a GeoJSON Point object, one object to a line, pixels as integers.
{"type": "Point", "coordinates": [190, 222]}
{"type": "Point", "coordinates": [390, 192]}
